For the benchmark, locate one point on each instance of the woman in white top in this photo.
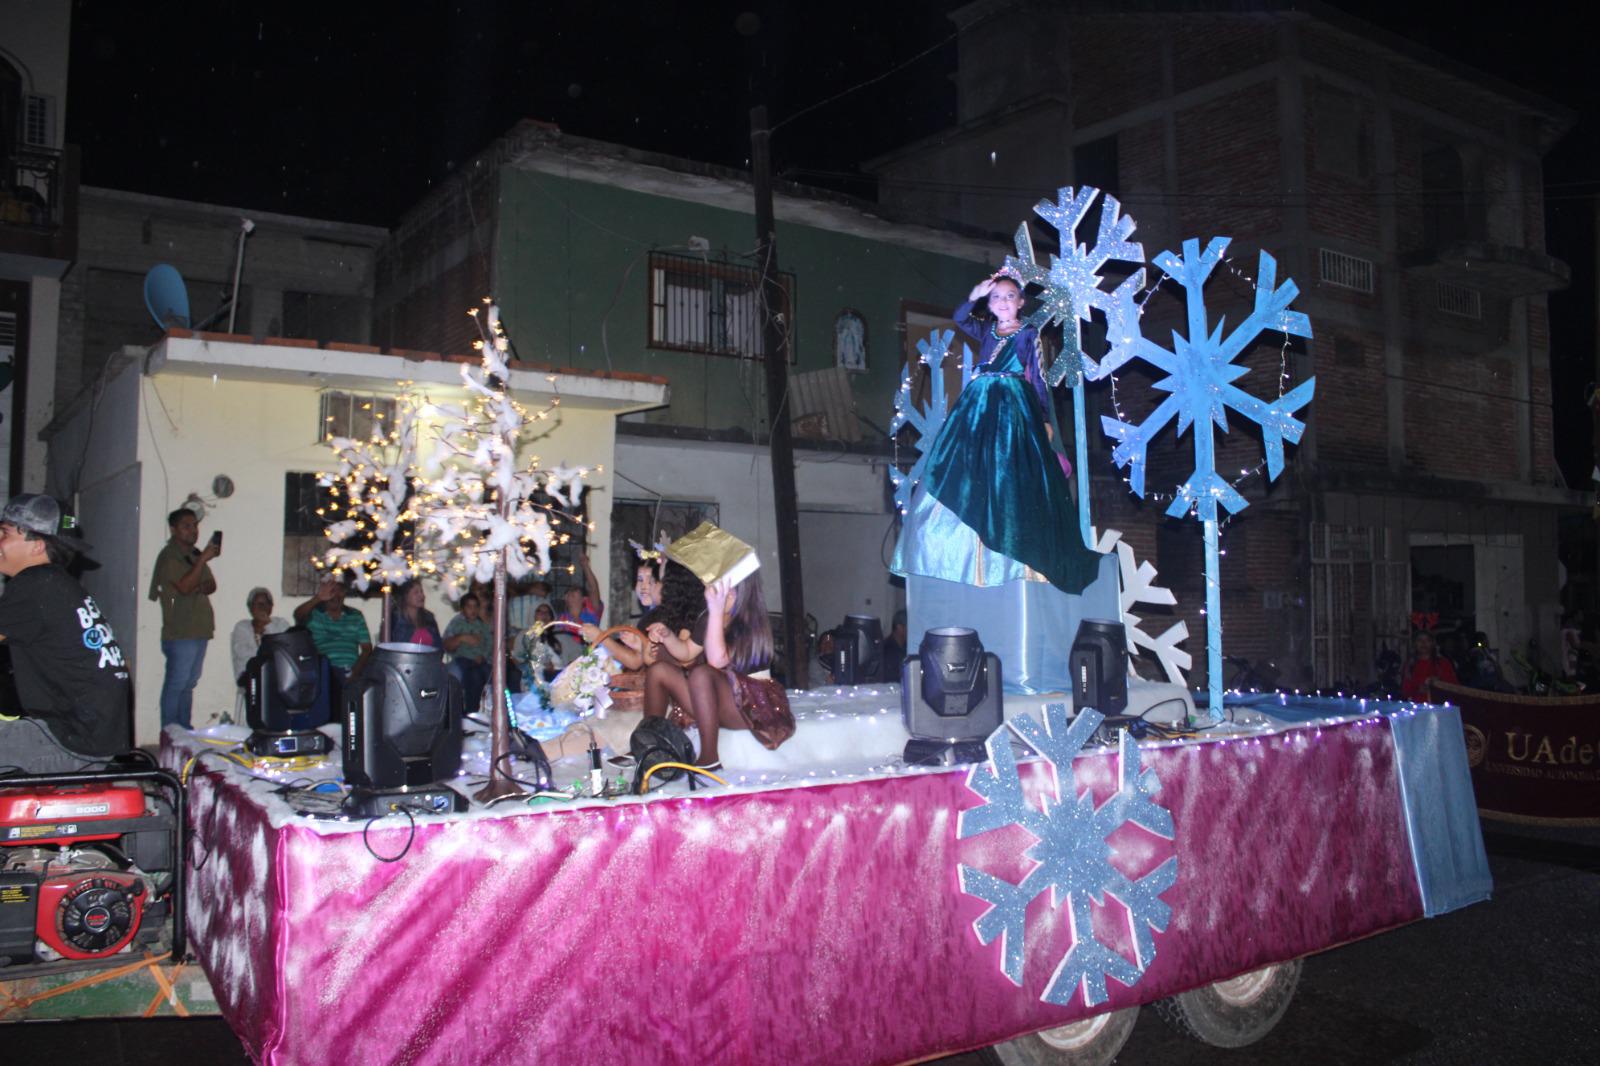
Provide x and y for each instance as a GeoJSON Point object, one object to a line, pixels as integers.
{"type": "Point", "coordinates": [248, 633]}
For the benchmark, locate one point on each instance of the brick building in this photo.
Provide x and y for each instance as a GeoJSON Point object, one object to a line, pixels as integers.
{"type": "Point", "coordinates": [1403, 193]}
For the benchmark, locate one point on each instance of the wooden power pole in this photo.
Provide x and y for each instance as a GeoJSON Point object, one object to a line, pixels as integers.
{"type": "Point", "coordinates": [775, 333]}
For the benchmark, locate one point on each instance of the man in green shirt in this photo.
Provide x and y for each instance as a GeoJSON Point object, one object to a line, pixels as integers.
{"type": "Point", "coordinates": [182, 582]}
{"type": "Point", "coordinates": [340, 633]}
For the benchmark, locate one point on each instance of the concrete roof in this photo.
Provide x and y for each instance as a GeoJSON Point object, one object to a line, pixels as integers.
{"type": "Point", "coordinates": [362, 367]}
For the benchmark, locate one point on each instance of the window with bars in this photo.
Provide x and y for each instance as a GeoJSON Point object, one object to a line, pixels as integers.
{"type": "Point", "coordinates": [39, 121]}
{"type": "Point", "coordinates": [8, 336]}
{"type": "Point", "coordinates": [303, 538]}
{"type": "Point", "coordinates": [713, 308]}
{"type": "Point", "coordinates": [1460, 300]}
{"type": "Point", "coordinates": [345, 414]}
{"type": "Point", "coordinates": [1346, 271]}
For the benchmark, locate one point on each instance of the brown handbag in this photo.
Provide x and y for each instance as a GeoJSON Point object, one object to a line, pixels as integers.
{"type": "Point", "coordinates": [764, 705]}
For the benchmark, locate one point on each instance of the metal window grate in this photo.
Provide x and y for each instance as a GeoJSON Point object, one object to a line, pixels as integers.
{"type": "Point", "coordinates": [1346, 271]}
{"type": "Point", "coordinates": [1460, 300]}
{"type": "Point", "coordinates": [714, 308]}
{"type": "Point", "coordinates": [8, 334]}
{"type": "Point", "coordinates": [38, 121]}
{"type": "Point", "coordinates": [358, 417]}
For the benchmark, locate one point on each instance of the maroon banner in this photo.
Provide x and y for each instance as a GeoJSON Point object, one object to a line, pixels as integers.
{"type": "Point", "coordinates": [1533, 758]}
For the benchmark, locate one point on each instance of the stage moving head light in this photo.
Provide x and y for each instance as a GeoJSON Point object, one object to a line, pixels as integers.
{"type": "Point", "coordinates": [287, 696]}
{"type": "Point", "coordinates": [1099, 665]}
{"type": "Point", "coordinates": [865, 632]}
{"type": "Point", "coordinates": [402, 728]}
{"type": "Point", "coordinates": [950, 698]}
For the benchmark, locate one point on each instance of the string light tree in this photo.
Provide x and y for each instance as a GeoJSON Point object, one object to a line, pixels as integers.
{"type": "Point", "coordinates": [1201, 373]}
{"type": "Point", "coordinates": [373, 490]}
{"type": "Point", "coordinates": [480, 513]}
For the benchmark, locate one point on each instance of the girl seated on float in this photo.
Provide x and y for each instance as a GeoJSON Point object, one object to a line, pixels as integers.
{"type": "Point", "coordinates": [717, 670]}
{"type": "Point", "coordinates": [649, 590]}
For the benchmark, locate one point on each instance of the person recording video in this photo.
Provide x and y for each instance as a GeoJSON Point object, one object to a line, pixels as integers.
{"type": "Point", "coordinates": [183, 583]}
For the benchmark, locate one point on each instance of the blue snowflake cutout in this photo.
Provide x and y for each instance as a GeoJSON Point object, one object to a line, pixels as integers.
{"type": "Point", "coordinates": [1070, 285]}
{"type": "Point", "coordinates": [1200, 378]}
{"type": "Point", "coordinates": [1071, 852]}
{"type": "Point", "coordinates": [926, 421]}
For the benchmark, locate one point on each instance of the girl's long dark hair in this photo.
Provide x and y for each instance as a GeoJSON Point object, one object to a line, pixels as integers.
{"type": "Point", "coordinates": [748, 632]}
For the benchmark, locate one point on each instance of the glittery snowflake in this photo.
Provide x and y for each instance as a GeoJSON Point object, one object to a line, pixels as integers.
{"type": "Point", "coordinates": [1201, 371]}
{"type": "Point", "coordinates": [926, 420]}
{"type": "Point", "coordinates": [1070, 285]}
{"type": "Point", "coordinates": [1071, 851]}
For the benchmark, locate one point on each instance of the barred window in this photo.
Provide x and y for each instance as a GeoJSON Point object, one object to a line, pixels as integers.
{"type": "Point", "coordinates": [714, 308]}
{"type": "Point", "coordinates": [356, 417]}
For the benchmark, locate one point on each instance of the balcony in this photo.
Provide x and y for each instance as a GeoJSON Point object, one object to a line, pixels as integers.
{"type": "Point", "coordinates": [38, 210]}
{"type": "Point", "coordinates": [1501, 269]}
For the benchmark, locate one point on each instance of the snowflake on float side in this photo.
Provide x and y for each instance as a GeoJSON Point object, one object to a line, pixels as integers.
{"type": "Point", "coordinates": [926, 421]}
{"type": "Point", "coordinates": [1201, 371]}
{"type": "Point", "coordinates": [1073, 857]}
{"type": "Point", "coordinates": [1071, 283]}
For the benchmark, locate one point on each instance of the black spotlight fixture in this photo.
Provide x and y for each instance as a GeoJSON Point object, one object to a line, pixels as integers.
{"type": "Point", "coordinates": [402, 732]}
{"type": "Point", "coordinates": [857, 654]}
{"type": "Point", "coordinates": [287, 695]}
{"type": "Point", "coordinates": [1099, 665]}
{"type": "Point", "coordinates": [950, 698]}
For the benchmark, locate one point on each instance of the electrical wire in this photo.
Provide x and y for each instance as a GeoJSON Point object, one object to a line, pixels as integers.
{"type": "Point", "coordinates": [644, 782]}
{"type": "Point", "coordinates": [410, 836]}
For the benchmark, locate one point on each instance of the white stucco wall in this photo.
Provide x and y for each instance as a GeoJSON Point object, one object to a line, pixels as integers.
{"type": "Point", "coordinates": [150, 440]}
{"type": "Point", "coordinates": [845, 521]}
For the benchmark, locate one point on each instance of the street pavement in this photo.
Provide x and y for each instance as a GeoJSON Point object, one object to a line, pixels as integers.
{"type": "Point", "coordinates": [1511, 981]}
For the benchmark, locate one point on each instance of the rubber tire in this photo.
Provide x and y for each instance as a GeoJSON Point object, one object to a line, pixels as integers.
{"type": "Point", "coordinates": [1090, 1042]}
{"type": "Point", "coordinates": [1234, 1013]}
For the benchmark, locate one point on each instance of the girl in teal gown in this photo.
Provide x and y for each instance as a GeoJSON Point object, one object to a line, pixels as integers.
{"type": "Point", "coordinates": [993, 504]}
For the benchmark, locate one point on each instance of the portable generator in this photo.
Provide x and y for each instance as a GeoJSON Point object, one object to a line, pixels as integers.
{"type": "Point", "coordinates": [90, 867]}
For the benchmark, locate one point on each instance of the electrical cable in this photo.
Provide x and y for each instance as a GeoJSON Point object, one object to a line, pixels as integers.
{"type": "Point", "coordinates": [644, 782]}
{"type": "Point", "coordinates": [410, 836]}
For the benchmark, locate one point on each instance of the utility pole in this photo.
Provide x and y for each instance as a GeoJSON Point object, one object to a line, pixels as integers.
{"type": "Point", "coordinates": [775, 326]}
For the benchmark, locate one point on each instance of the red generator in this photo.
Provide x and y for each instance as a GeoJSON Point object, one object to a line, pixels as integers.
{"type": "Point", "coordinates": [89, 867]}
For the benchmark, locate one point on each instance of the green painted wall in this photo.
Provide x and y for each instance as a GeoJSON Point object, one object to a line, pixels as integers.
{"type": "Point", "coordinates": [573, 259]}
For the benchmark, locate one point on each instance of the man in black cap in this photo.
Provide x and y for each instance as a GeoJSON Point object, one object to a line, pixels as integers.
{"type": "Point", "coordinates": [71, 676]}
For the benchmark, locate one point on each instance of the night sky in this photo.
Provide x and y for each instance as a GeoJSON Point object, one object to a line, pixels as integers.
{"type": "Point", "coordinates": [353, 111]}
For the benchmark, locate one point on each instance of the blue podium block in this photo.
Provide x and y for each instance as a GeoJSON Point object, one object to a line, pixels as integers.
{"type": "Point", "coordinates": [1029, 624]}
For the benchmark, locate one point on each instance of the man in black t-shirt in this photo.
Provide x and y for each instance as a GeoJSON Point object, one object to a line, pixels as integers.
{"type": "Point", "coordinates": [70, 673]}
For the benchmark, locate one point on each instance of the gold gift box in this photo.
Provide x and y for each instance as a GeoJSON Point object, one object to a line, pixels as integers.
{"type": "Point", "coordinates": [714, 554]}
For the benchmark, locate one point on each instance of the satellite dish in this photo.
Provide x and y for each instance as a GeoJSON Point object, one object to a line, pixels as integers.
{"type": "Point", "coordinates": [166, 296]}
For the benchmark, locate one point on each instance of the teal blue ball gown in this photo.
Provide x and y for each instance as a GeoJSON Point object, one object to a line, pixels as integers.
{"type": "Point", "coordinates": [994, 504]}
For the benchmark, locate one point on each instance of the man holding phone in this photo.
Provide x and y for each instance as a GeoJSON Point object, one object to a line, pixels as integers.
{"type": "Point", "coordinates": [183, 583]}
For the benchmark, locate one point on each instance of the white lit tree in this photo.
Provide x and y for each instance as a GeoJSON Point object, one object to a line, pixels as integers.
{"type": "Point", "coordinates": [372, 502]}
{"type": "Point", "coordinates": [481, 516]}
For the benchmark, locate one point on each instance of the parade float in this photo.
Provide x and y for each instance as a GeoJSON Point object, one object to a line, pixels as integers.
{"type": "Point", "coordinates": [830, 901]}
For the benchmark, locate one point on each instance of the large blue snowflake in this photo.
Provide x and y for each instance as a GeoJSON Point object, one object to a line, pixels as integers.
{"type": "Point", "coordinates": [1070, 285]}
{"type": "Point", "coordinates": [927, 420]}
{"type": "Point", "coordinates": [1200, 378]}
{"type": "Point", "coordinates": [1072, 853]}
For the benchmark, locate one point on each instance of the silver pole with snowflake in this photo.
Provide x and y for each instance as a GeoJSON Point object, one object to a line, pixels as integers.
{"type": "Point", "coordinates": [1071, 293]}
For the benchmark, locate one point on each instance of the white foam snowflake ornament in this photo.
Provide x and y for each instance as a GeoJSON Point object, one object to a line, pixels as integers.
{"type": "Point", "coordinates": [1138, 585]}
{"type": "Point", "coordinates": [925, 420]}
{"type": "Point", "coordinates": [1071, 852]}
